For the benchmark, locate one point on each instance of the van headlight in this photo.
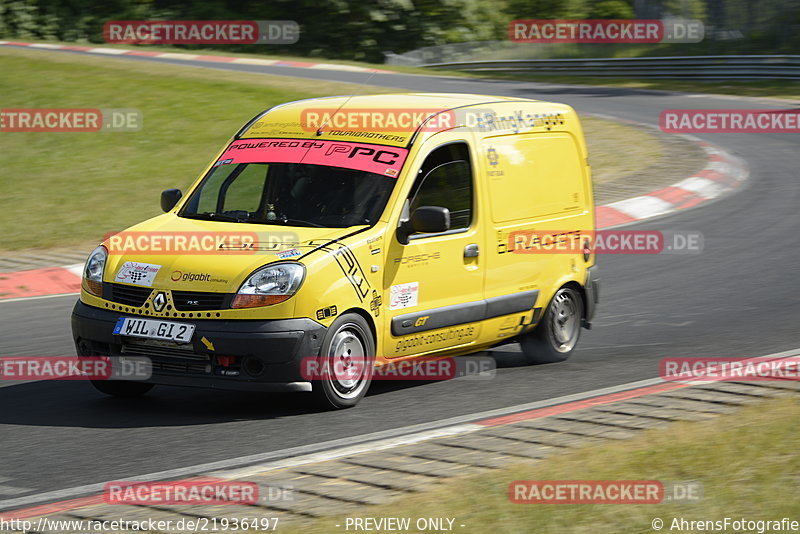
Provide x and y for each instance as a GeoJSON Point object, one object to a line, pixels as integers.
{"type": "Point", "coordinates": [270, 285]}
{"type": "Point", "coordinates": [93, 271]}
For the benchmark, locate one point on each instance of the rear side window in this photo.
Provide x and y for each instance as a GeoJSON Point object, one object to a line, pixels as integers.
{"type": "Point", "coordinates": [445, 179]}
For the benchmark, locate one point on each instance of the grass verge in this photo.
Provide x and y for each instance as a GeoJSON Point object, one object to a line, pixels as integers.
{"type": "Point", "coordinates": [63, 189]}
{"type": "Point", "coordinates": [748, 464]}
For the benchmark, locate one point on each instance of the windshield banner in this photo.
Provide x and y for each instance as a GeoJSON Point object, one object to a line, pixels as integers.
{"type": "Point", "coordinates": [378, 159]}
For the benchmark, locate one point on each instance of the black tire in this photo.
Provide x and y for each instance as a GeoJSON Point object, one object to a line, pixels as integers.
{"type": "Point", "coordinates": [558, 332]}
{"type": "Point", "coordinates": [122, 388]}
{"type": "Point", "coordinates": [348, 345]}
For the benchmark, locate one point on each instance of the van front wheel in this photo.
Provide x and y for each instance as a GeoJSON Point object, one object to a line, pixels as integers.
{"type": "Point", "coordinates": [345, 363]}
{"type": "Point", "coordinates": [557, 334]}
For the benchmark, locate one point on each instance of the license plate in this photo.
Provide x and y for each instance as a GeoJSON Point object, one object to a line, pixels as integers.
{"type": "Point", "coordinates": [154, 329]}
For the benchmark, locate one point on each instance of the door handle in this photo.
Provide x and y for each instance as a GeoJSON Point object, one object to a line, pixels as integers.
{"type": "Point", "coordinates": [471, 251]}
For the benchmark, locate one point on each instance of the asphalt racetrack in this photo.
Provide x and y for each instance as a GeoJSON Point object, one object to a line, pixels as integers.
{"type": "Point", "coordinates": [739, 297]}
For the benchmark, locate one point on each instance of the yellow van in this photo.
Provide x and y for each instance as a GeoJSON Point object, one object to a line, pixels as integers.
{"type": "Point", "coordinates": [373, 228]}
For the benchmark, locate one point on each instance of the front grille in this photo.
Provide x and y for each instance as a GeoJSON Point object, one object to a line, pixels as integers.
{"type": "Point", "coordinates": [169, 357]}
{"type": "Point", "coordinates": [198, 301]}
{"type": "Point", "coordinates": [127, 295]}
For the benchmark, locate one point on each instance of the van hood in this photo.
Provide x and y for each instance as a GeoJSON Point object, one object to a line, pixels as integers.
{"type": "Point", "coordinates": [171, 252]}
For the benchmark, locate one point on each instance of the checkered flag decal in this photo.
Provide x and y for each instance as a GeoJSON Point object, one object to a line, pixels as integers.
{"type": "Point", "coordinates": [136, 276]}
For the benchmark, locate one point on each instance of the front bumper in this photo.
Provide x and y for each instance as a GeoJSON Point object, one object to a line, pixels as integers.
{"type": "Point", "coordinates": [263, 352]}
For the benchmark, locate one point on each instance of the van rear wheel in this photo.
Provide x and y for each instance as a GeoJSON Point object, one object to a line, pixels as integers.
{"type": "Point", "coordinates": [557, 334]}
{"type": "Point", "coordinates": [345, 362]}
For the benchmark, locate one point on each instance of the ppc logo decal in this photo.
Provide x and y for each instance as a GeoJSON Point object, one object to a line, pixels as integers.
{"type": "Point", "coordinates": [140, 274]}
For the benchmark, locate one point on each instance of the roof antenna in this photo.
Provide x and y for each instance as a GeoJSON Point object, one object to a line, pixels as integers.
{"type": "Point", "coordinates": [362, 85]}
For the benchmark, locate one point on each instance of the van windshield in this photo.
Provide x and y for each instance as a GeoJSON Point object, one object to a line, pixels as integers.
{"type": "Point", "coordinates": [292, 194]}
{"type": "Point", "coordinates": [298, 183]}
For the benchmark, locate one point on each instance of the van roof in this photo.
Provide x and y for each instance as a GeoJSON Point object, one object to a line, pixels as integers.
{"type": "Point", "coordinates": [386, 119]}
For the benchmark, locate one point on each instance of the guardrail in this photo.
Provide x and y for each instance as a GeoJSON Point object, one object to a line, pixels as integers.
{"type": "Point", "coordinates": [682, 67]}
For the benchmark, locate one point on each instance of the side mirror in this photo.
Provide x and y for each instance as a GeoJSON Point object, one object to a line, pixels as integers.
{"type": "Point", "coordinates": [169, 198]}
{"type": "Point", "coordinates": [430, 219]}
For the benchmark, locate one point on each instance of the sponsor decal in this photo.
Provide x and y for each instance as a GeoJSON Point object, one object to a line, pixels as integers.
{"type": "Point", "coordinates": [349, 265]}
{"type": "Point", "coordinates": [182, 276]}
{"type": "Point", "coordinates": [418, 259]}
{"type": "Point", "coordinates": [516, 121]}
{"type": "Point", "coordinates": [404, 296]}
{"type": "Point", "coordinates": [140, 274]}
{"type": "Point", "coordinates": [375, 136]}
{"type": "Point", "coordinates": [376, 159]}
{"type": "Point", "coordinates": [289, 253]}
{"type": "Point", "coordinates": [491, 155]}
{"type": "Point", "coordinates": [375, 304]}
{"type": "Point", "coordinates": [327, 313]}
{"type": "Point", "coordinates": [437, 338]}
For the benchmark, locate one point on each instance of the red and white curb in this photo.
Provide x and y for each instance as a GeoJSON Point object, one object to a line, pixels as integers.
{"type": "Point", "coordinates": [196, 57]}
{"type": "Point", "coordinates": [33, 283]}
{"type": "Point", "coordinates": [723, 173]}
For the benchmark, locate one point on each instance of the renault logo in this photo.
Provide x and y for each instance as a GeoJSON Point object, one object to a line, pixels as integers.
{"type": "Point", "coordinates": [159, 301]}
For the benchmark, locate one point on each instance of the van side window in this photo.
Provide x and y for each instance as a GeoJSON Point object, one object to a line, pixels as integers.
{"type": "Point", "coordinates": [445, 179]}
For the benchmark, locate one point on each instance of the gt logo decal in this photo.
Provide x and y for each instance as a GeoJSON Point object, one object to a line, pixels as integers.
{"type": "Point", "coordinates": [421, 320]}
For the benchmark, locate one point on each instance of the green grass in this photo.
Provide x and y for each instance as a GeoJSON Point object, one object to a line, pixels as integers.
{"type": "Point", "coordinates": [748, 464]}
{"type": "Point", "coordinates": [65, 189]}
{"type": "Point", "coordinates": [62, 188]}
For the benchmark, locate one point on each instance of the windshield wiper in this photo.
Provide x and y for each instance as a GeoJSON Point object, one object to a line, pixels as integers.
{"type": "Point", "coordinates": [213, 217]}
{"type": "Point", "coordinates": [298, 222]}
